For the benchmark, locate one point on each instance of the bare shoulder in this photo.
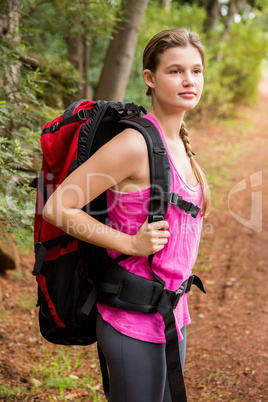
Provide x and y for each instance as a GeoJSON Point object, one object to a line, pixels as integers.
{"type": "Point", "coordinates": [124, 155]}
{"type": "Point", "coordinates": [132, 143]}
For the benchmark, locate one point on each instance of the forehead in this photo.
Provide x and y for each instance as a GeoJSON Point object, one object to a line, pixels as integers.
{"type": "Point", "coordinates": [185, 56]}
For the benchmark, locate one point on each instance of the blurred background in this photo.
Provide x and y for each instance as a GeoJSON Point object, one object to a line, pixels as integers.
{"type": "Point", "coordinates": [55, 52]}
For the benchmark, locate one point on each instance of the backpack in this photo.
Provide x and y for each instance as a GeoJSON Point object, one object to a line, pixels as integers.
{"type": "Point", "coordinates": [70, 273]}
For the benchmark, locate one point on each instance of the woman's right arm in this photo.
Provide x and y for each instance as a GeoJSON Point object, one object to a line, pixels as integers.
{"type": "Point", "coordinates": [125, 156]}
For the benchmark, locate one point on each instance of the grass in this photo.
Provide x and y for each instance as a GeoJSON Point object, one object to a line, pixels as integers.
{"type": "Point", "coordinates": [9, 392]}
{"type": "Point", "coordinates": [69, 370]}
{"type": "Point", "coordinates": [26, 302]}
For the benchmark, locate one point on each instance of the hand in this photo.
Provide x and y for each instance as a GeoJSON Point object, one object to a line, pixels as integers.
{"type": "Point", "coordinates": [151, 237]}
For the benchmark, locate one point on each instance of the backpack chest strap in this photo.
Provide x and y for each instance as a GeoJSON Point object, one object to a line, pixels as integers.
{"type": "Point", "coordinates": [178, 201]}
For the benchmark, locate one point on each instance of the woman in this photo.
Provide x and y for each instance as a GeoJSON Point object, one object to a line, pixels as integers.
{"type": "Point", "coordinates": [133, 342]}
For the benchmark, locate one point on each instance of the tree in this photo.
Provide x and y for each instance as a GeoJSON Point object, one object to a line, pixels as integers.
{"type": "Point", "coordinates": [78, 56]}
{"type": "Point", "coordinates": [166, 4]}
{"type": "Point", "coordinates": [213, 12]}
{"type": "Point", "coordinates": [115, 73]}
{"type": "Point", "coordinates": [9, 30]}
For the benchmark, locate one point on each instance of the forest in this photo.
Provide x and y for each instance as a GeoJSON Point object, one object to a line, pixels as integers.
{"type": "Point", "coordinates": [55, 52]}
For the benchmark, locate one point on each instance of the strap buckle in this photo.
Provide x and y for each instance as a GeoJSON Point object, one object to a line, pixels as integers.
{"type": "Point", "coordinates": [193, 210]}
{"type": "Point", "coordinates": [54, 127]}
{"type": "Point", "coordinates": [175, 296]}
{"type": "Point", "coordinates": [185, 287]}
{"type": "Point", "coordinates": [190, 281]}
{"type": "Point", "coordinates": [175, 199]}
{"type": "Point", "coordinates": [82, 114]}
{"type": "Point", "coordinates": [157, 218]}
{"type": "Point", "coordinates": [37, 246]}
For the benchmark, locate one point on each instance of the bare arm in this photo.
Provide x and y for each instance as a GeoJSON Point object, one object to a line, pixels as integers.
{"type": "Point", "coordinates": [123, 157]}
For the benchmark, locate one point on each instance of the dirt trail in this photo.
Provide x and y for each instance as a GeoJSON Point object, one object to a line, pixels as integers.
{"type": "Point", "coordinates": [227, 354]}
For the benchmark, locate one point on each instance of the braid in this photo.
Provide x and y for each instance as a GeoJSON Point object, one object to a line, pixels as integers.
{"type": "Point", "coordinates": [199, 174]}
{"type": "Point", "coordinates": [185, 139]}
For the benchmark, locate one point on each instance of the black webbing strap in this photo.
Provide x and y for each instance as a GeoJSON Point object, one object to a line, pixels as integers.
{"type": "Point", "coordinates": [40, 256]}
{"type": "Point", "coordinates": [166, 305]}
{"type": "Point", "coordinates": [160, 171]}
{"type": "Point", "coordinates": [89, 303]}
{"type": "Point", "coordinates": [174, 370]}
{"type": "Point", "coordinates": [178, 201]}
{"type": "Point", "coordinates": [82, 114]}
{"type": "Point", "coordinates": [41, 249]}
{"type": "Point", "coordinates": [42, 187]}
{"type": "Point", "coordinates": [73, 166]}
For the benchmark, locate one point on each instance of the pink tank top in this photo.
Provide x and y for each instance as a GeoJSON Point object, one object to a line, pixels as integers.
{"type": "Point", "coordinates": [174, 263]}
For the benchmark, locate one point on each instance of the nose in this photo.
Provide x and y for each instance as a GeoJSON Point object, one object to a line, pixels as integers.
{"type": "Point", "coordinates": [188, 80]}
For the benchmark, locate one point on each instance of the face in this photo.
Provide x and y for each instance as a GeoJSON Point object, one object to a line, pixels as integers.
{"type": "Point", "coordinates": [177, 83]}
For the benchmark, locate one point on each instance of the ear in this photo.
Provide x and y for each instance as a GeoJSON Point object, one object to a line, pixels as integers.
{"type": "Point", "coordinates": [148, 77]}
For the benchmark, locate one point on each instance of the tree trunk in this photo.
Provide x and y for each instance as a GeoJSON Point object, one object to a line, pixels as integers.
{"type": "Point", "coordinates": [213, 12]}
{"type": "Point", "coordinates": [233, 8]}
{"type": "Point", "coordinates": [166, 4]}
{"type": "Point", "coordinates": [116, 70]}
{"type": "Point", "coordinates": [78, 56]}
{"type": "Point", "coordinates": [9, 26]}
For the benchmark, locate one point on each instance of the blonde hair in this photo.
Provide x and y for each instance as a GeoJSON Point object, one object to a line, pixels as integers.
{"type": "Point", "coordinates": [151, 57]}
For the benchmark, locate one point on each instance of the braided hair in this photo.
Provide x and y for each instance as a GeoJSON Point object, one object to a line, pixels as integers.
{"type": "Point", "coordinates": [199, 174]}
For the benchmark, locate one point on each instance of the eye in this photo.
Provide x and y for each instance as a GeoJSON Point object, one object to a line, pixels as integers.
{"type": "Point", "coordinates": [176, 71]}
{"type": "Point", "coordinates": [198, 71]}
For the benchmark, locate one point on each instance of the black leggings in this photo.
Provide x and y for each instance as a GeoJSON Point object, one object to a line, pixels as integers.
{"type": "Point", "coordinates": [137, 369]}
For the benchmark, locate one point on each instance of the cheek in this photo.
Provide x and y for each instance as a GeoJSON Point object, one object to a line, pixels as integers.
{"type": "Point", "coordinates": [200, 85]}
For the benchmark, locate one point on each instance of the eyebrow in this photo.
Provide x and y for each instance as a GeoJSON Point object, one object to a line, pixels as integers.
{"type": "Point", "coordinates": [181, 66]}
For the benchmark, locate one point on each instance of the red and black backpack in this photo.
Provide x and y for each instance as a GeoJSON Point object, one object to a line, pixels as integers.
{"type": "Point", "coordinates": [72, 274]}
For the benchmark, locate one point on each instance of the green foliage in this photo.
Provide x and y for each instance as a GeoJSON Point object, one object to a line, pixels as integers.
{"type": "Point", "coordinates": [47, 26]}
{"type": "Point", "coordinates": [46, 20]}
{"type": "Point", "coordinates": [16, 197]}
{"type": "Point", "coordinates": [20, 115]}
{"type": "Point", "coordinates": [9, 393]}
{"type": "Point", "coordinates": [233, 64]}
{"type": "Point", "coordinates": [233, 69]}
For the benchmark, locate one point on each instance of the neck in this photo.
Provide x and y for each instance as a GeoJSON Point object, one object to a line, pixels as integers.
{"type": "Point", "coordinates": [169, 121]}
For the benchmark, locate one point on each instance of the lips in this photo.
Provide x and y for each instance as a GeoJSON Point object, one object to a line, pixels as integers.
{"type": "Point", "coordinates": [187, 93]}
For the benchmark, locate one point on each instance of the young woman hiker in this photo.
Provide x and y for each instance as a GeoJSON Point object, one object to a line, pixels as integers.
{"type": "Point", "coordinates": [133, 342]}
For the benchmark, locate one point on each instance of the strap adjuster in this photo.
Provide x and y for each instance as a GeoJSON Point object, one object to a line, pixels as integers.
{"type": "Point", "coordinates": [157, 218]}
{"type": "Point", "coordinates": [37, 246]}
{"type": "Point", "coordinates": [190, 281]}
{"type": "Point", "coordinates": [54, 127]}
{"type": "Point", "coordinates": [82, 114]}
{"type": "Point", "coordinates": [185, 287]}
{"type": "Point", "coordinates": [193, 210]}
{"type": "Point", "coordinates": [175, 296]}
{"type": "Point", "coordinates": [175, 199]}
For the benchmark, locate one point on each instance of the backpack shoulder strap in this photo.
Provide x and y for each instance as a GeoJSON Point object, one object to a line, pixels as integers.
{"type": "Point", "coordinates": [160, 171]}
